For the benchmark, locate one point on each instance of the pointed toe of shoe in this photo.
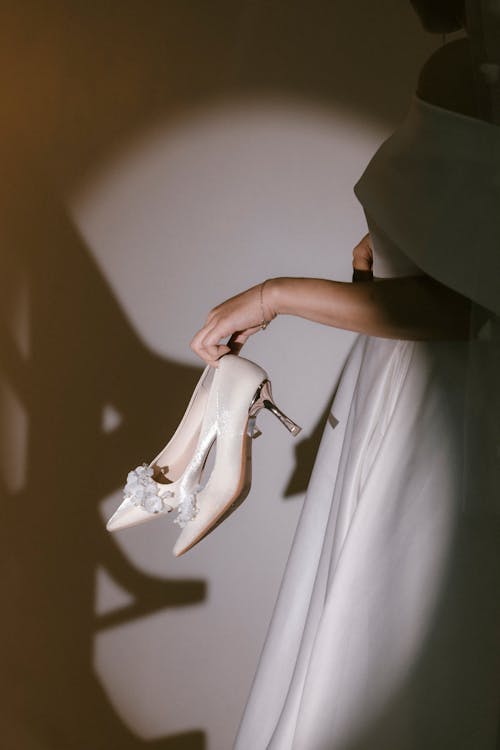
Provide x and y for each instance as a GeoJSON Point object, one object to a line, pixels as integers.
{"type": "Point", "coordinates": [192, 533]}
{"type": "Point", "coordinates": [183, 543]}
{"type": "Point", "coordinates": [210, 511]}
{"type": "Point", "coordinates": [127, 515]}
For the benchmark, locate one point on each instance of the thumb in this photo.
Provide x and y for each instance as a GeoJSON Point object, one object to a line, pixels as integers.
{"type": "Point", "coordinates": [237, 340]}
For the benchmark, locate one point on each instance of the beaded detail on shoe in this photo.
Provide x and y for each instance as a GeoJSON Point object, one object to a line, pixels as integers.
{"type": "Point", "coordinates": [187, 509]}
{"type": "Point", "coordinates": [142, 490]}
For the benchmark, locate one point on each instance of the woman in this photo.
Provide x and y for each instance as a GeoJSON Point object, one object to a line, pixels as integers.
{"type": "Point", "coordinates": [385, 631]}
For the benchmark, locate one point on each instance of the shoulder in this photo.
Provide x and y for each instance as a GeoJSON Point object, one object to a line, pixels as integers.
{"type": "Point", "coordinates": [447, 78]}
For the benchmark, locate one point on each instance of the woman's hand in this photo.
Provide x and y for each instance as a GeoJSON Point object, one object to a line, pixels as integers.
{"type": "Point", "coordinates": [238, 317]}
{"type": "Point", "coordinates": [362, 260]}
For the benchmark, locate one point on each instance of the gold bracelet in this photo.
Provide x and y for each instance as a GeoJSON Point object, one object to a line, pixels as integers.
{"type": "Point", "coordinates": [264, 322]}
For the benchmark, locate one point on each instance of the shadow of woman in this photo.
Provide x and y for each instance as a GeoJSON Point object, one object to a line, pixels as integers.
{"type": "Point", "coordinates": [79, 346]}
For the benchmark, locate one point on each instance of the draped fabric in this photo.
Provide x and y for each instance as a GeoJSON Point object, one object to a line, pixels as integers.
{"type": "Point", "coordinates": [434, 186]}
{"type": "Point", "coordinates": [385, 633]}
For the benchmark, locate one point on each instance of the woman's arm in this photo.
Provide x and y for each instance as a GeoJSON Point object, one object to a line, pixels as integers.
{"type": "Point", "coordinates": [410, 307]}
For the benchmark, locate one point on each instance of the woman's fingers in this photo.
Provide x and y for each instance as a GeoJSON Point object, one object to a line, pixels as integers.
{"type": "Point", "coordinates": [206, 342]}
{"type": "Point", "coordinates": [202, 345]}
{"type": "Point", "coordinates": [362, 255]}
{"type": "Point", "coordinates": [362, 260]}
{"type": "Point", "coordinates": [236, 317]}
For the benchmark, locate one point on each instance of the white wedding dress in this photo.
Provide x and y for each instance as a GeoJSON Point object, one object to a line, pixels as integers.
{"type": "Point", "coordinates": [385, 631]}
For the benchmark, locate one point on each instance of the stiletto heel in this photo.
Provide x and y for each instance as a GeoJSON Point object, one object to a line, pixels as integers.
{"type": "Point", "coordinates": [240, 390]}
{"type": "Point", "coordinates": [264, 399]}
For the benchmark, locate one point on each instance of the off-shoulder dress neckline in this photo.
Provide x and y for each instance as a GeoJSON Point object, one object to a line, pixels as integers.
{"type": "Point", "coordinates": [466, 120]}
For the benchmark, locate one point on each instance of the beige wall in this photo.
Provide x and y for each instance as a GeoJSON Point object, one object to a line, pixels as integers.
{"type": "Point", "coordinates": [158, 158]}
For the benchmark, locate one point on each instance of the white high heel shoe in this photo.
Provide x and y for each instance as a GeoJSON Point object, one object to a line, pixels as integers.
{"type": "Point", "coordinates": [150, 486]}
{"type": "Point", "coordinates": [239, 390]}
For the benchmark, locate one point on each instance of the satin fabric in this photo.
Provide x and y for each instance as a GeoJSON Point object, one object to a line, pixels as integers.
{"type": "Point", "coordinates": [434, 187]}
{"type": "Point", "coordinates": [385, 632]}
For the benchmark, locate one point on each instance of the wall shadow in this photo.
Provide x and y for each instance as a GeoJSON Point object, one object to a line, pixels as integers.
{"type": "Point", "coordinates": [77, 78]}
{"type": "Point", "coordinates": [83, 356]}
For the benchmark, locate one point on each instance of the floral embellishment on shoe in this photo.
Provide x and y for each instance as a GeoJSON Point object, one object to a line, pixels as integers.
{"type": "Point", "coordinates": [187, 509]}
{"type": "Point", "coordinates": [143, 491]}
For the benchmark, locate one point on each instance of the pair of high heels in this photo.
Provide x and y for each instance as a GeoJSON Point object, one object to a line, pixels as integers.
{"type": "Point", "coordinates": [223, 409]}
